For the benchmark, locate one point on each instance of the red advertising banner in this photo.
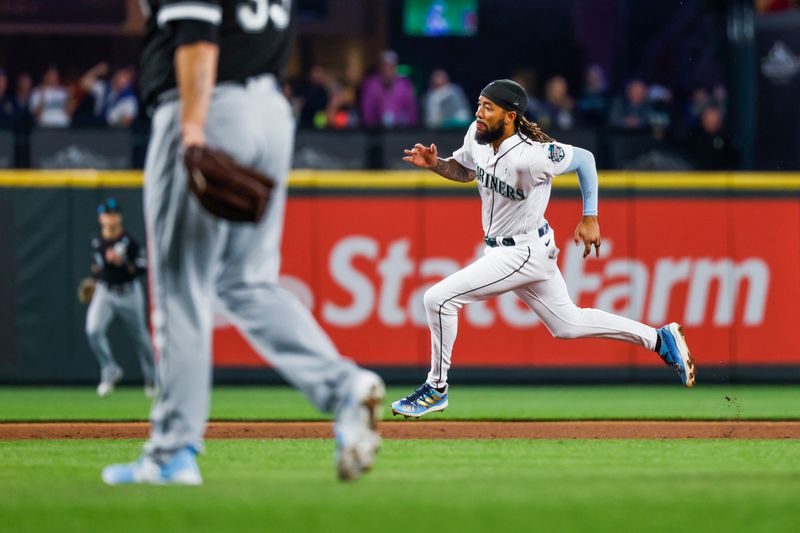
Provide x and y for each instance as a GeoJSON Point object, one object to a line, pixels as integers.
{"type": "Point", "coordinates": [726, 268]}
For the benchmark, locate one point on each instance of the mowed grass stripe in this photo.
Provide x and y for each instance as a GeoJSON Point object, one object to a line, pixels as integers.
{"type": "Point", "coordinates": [464, 486]}
{"type": "Point", "coordinates": [466, 403]}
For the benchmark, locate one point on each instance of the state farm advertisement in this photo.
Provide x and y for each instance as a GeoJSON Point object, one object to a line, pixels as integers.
{"type": "Point", "coordinates": [727, 269]}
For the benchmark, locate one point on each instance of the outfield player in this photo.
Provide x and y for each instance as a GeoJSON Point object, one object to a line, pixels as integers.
{"type": "Point", "coordinates": [209, 71]}
{"type": "Point", "coordinates": [513, 163]}
{"type": "Point", "coordinates": [117, 263]}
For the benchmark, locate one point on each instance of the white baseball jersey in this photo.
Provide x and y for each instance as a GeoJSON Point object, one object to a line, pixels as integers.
{"type": "Point", "coordinates": [514, 185]}
{"type": "Point", "coordinates": [515, 182]}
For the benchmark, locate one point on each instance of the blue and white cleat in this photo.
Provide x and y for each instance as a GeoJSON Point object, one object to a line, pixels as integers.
{"type": "Point", "coordinates": [181, 469]}
{"type": "Point", "coordinates": [422, 401]}
{"type": "Point", "coordinates": [675, 352]}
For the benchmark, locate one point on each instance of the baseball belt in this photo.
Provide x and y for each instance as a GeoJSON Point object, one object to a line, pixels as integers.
{"type": "Point", "coordinates": [493, 242]}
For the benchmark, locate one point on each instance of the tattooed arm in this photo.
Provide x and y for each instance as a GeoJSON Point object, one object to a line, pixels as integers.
{"type": "Point", "coordinates": [452, 170]}
{"type": "Point", "coordinates": [428, 157]}
{"type": "Point", "coordinates": [196, 73]}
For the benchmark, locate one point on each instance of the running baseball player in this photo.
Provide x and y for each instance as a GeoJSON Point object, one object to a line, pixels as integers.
{"type": "Point", "coordinates": [209, 72]}
{"type": "Point", "coordinates": [513, 163]}
{"type": "Point", "coordinates": [115, 291]}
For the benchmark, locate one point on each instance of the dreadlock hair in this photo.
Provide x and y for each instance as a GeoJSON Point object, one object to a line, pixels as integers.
{"type": "Point", "coordinates": [531, 130]}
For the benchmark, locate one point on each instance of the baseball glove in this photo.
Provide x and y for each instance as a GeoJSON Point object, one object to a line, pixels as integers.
{"type": "Point", "coordinates": [225, 188]}
{"type": "Point", "coordinates": [86, 290]}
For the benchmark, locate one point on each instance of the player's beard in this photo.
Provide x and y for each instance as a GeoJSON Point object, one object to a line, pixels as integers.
{"type": "Point", "coordinates": [490, 135]}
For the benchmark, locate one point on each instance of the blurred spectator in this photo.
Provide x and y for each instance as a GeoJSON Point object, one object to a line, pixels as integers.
{"type": "Point", "coordinates": [113, 101]}
{"type": "Point", "coordinates": [660, 100]}
{"type": "Point", "coordinates": [592, 107]}
{"type": "Point", "coordinates": [121, 107]}
{"type": "Point", "coordinates": [631, 112]}
{"type": "Point", "coordinates": [85, 104]}
{"type": "Point", "coordinates": [49, 101]}
{"type": "Point", "coordinates": [388, 99]}
{"type": "Point", "coordinates": [711, 145]}
{"type": "Point", "coordinates": [341, 112]}
{"type": "Point", "coordinates": [314, 100]}
{"type": "Point", "coordinates": [342, 109]}
{"type": "Point", "coordinates": [22, 100]}
{"type": "Point", "coordinates": [14, 106]}
{"type": "Point", "coordinates": [527, 78]}
{"type": "Point", "coordinates": [699, 100]}
{"type": "Point", "coordinates": [556, 110]}
{"type": "Point", "coordinates": [445, 104]}
{"type": "Point", "coordinates": [7, 111]}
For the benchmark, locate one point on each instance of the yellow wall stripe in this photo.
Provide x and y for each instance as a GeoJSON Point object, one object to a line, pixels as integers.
{"type": "Point", "coordinates": [426, 180]}
{"type": "Point", "coordinates": [84, 179]}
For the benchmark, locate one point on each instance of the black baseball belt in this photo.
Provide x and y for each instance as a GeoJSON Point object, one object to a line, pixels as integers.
{"type": "Point", "coordinates": [493, 242]}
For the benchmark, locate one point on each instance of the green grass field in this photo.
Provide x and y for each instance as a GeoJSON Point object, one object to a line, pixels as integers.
{"type": "Point", "coordinates": [446, 485]}
{"type": "Point", "coordinates": [466, 403]}
{"type": "Point", "coordinates": [502, 485]}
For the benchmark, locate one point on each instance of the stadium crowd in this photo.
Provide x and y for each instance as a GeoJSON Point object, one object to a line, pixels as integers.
{"type": "Point", "coordinates": [388, 100]}
{"type": "Point", "coordinates": [385, 99]}
{"type": "Point", "coordinates": [99, 97]}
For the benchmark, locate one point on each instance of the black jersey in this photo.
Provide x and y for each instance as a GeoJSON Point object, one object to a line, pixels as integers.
{"type": "Point", "coordinates": [133, 264]}
{"type": "Point", "coordinates": [254, 37]}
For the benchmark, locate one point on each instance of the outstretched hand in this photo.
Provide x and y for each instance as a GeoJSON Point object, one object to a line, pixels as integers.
{"type": "Point", "coordinates": [588, 232]}
{"type": "Point", "coordinates": [422, 156]}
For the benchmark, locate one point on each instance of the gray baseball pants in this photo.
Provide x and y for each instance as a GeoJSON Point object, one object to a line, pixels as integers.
{"type": "Point", "coordinates": [197, 259]}
{"type": "Point", "coordinates": [129, 306]}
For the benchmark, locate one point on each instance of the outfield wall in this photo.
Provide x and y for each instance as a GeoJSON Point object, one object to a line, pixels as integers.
{"type": "Point", "coordinates": [718, 252]}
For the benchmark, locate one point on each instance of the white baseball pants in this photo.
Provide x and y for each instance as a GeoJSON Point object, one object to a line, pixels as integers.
{"type": "Point", "coordinates": [530, 270]}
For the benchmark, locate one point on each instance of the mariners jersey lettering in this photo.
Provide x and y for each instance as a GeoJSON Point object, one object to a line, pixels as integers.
{"type": "Point", "coordinates": [490, 181]}
{"type": "Point", "coordinates": [514, 183]}
{"type": "Point", "coordinates": [254, 37]}
{"type": "Point", "coordinates": [126, 247]}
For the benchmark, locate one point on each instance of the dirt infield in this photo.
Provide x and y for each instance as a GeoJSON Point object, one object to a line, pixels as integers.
{"type": "Point", "coordinates": [428, 430]}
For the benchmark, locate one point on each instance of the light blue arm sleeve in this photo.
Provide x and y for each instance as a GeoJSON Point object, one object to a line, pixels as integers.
{"type": "Point", "coordinates": [583, 163]}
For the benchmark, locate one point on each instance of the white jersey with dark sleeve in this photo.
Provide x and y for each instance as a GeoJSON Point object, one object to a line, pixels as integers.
{"type": "Point", "coordinates": [515, 182]}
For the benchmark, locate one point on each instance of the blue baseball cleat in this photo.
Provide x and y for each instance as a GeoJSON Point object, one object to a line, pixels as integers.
{"type": "Point", "coordinates": [422, 401]}
{"type": "Point", "coordinates": [675, 352]}
{"type": "Point", "coordinates": [181, 469]}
